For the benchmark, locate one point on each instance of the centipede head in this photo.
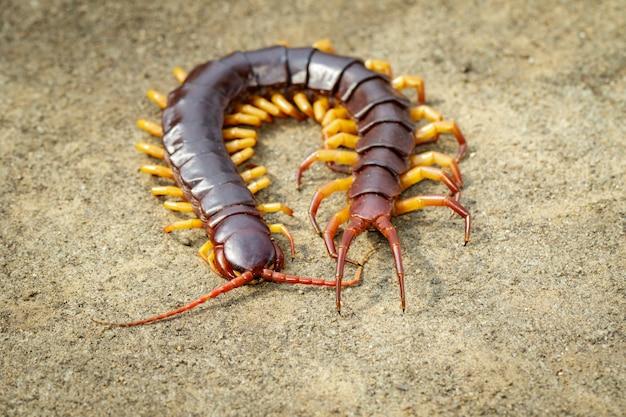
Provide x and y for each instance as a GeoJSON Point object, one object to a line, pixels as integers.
{"type": "Point", "coordinates": [249, 250]}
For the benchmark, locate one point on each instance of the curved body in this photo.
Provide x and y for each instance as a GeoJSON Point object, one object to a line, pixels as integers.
{"type": "Point", "coordinates": [193, 121]}
{"type": "Point", "coordinates": [371, 117]}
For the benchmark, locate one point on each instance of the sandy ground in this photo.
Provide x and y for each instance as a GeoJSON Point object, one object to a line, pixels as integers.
{"type": "Point", "coordinates": [526, 320]}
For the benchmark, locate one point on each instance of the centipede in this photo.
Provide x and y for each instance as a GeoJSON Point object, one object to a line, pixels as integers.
{"type": "Point", "coordinates": [372, 132]}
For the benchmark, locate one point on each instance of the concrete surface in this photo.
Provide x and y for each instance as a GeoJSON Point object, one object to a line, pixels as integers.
{"type": "Point", "coordinates": [526, 320]}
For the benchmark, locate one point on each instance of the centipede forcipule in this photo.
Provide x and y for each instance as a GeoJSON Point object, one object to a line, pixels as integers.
{"type": "Point", "coordinates": [361, 110]}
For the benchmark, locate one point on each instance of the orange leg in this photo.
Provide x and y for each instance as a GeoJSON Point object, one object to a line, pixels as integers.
{"type": "Point", "coordinates": [253, 173]}
{"type": "Point", "coordinates": [326, 155]}
{"type": "Point", "coordinates": [337, 220]}
{"type": "Point", "coordinates": [341, 184]}
{"type": "Point", "coordinates": [157, 98]}
{"type": "Point", "coordinates": [150, 127]}
{"type": "Point", "coordinates": [339, 125]}
{"type": "Point", "coordinates": [324, 45]}
{"type": "Point", "coordinates": [417, 174]}
{"type": "Point", "coordinates": [425, 112]}
{"type": "Point", "coordinates": [266, 105]}
{"type": "Point", "coordinates": [280, 228]}
{"type": "Point", "coordinates": [260, 184]}
{"type": "Point", "coordinates": [154, 151]}
{"type": "Point", "coordinates": [179, 206]}
{"type": "Point", "coordinates": [241, 119]}
{"type": "Point", "coordinates": [302, 102]}
{"type": "Point", "coordinates": [411, 81]}
{"type": "Point", "coordinates": [443, 160]}
{"type": "Point", "coordinates": [239, 144]}
{"type": "Point", "coordinates": [320, 107]}
{"type": "Point", "coordinates": [419, 202]}
{"type": "Point", "coordinates": [180, 74]}
{"type": "Point", "coordinates": [184, 225]}
{"type": "Point", "coordinates": [430, 133]}
{"type": "Point", "coordinates": [339, 112]}
{"type": "Point", "coordinates": [342, 139]}
{"type": "Point", "coordinates": [157, 170]}
{"type": "Point", "coordinates": [254, 111]}
{"type": "Point", "coordinates": [274, 208]}
{"type": "Point", "coordinates": [238, 133]}
{"type": "Point", "coordinates": [242, 156]}
{"type": "Point", "coordinates": [168, 190]}
{"type": "Point", "coordinates": [379, 65]}
{"type": "Point", "coordinates": [286, 107]}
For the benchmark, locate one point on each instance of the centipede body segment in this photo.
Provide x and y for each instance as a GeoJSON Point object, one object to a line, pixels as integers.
{"type": "Point", "coordinates": [370, 131]}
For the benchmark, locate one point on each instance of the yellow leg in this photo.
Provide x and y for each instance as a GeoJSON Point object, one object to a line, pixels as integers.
{"type": "Point", "coordinates": [180, 206]}
{"type": "Point", "coordinates": [437, 158]}
{"type": "Point", "coordinates": [320, 107]}
{"type": "Point", "coordinates": [254, 111]}
{"type": "Point", "coordinates": [152, 128]}
{"type": "Point", "coordinates": [339, 125]}
{"type": "Point", "coordinates": [425, 112]}
{"type": "Point", "coordinates": [285, 106]}
{"type": "Point", "coordinates": [342, 139]}
{"type": "Point", "coordinates": [259, 185]}
{"type": "Point", "coordinates": [266, 105]}
{"type": "Point", "coordinates": [169, 191]}
{"type": "Point", "coordinates": [274, 208]}
{"type": "Point", "coordinates": [282, 42]}
{"type": "Point", "coordinates": [338, 112]}
{"type": "Point", "coordinates": [180, 74]}
{"type": "Point", "coordinates": [431, 132]}
{"type": "Point", "coordinates": [184, 225]}
{"type": "Point", "coordinates": [238, 133]}
{"type": "Point", "coordinates": [411, 81]}
{"type": "Point", "coordinates": [153, 150]}
{"type": "Point", "coordinates": [380, 66]}
{"type": "Point", "coordinates": [158, 170]}
{"type": "Point", "coordinates": [337, 220]}
{"type": "Point", "coordinates": [341, 184]}
{"type": "Point", "coordinates": [280, 228]}
{"type": "Point", "coordinates": [205, 250]}
{"type": "Point", "coordinates": [242, 156]}
{"type": "Point", "coordinates": [327, 155]}
{"type": "Point", "coordinates": [324, 45]}
{"type": "Point", "coordinates": [239, 144]}
{"type": "Point", "coordinates": [253, 173]}
{"type": "Point", "coordinates": [303, 104]}
{"type": "Point", "coordinates": [157, 98]}
{"type": "Point", "coordinates": [206, 253]}
{"type": "Point", "coordinates": [417, 174]}
{"type": "Point", "coordinates": [241, 119]}
{"type": "Point", "coordinates": [421, 201]}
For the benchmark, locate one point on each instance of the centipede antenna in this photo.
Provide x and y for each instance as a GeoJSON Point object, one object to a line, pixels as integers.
{"type": "Point", "coordinates": [280, 278]}
{"type": "Point", "coordinates": [222, 289]}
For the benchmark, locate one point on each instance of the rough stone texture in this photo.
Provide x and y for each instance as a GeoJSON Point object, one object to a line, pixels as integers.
{"type": "Point", "coordinates": [526, 320]}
